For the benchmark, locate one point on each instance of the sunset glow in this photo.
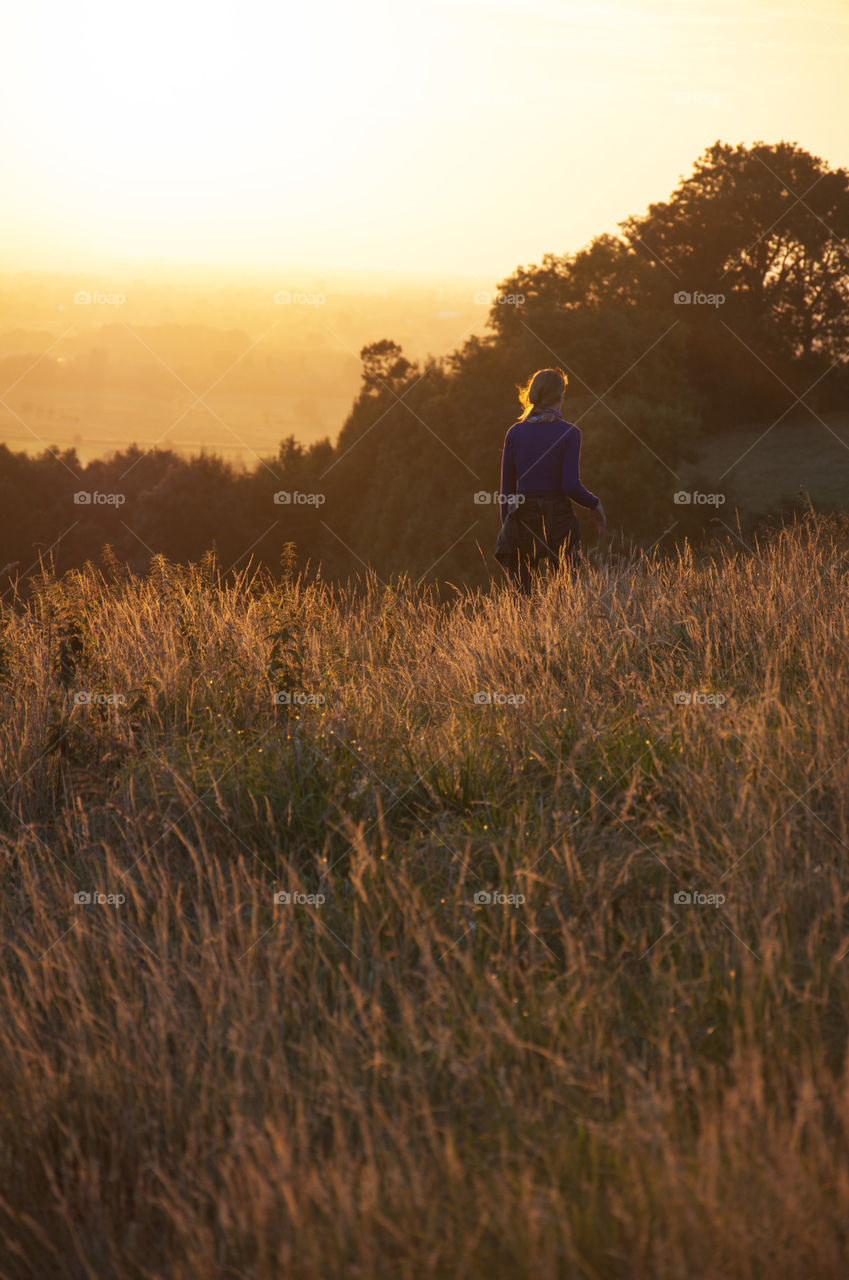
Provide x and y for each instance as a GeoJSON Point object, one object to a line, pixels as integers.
{"type": "Point", "coordinates": [382, 135]}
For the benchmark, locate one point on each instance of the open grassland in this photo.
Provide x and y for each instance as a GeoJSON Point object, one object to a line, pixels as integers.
{"type": "Point", "coordinates": [761, 467]}
{"type": "Point", "coordinates": [583, 1076]}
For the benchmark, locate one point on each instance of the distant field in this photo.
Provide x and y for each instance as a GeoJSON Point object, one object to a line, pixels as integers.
{"type": "Point", "coordinates": [757, 467]}
{"type": "Point", "coordinates": [99, 377]}
{"type": "Point", "coordinates": [238, 425]}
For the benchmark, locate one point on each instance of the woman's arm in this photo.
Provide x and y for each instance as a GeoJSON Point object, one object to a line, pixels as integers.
{"type": "Point", "coordinates": [571, 474]}
{"type": "Point", "coordinates": [508, 474]}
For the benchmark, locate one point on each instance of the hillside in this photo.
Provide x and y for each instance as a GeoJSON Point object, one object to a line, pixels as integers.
{"type": "Point", "coordinates": [509, 939]}
{"type": "Point", "coordinates": [761, 466]}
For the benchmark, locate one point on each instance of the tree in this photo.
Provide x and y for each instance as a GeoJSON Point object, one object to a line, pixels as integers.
{"type": "Point", "coordinates": [765, 227]}
{"type": "Point", "coordinates": [383, 364]}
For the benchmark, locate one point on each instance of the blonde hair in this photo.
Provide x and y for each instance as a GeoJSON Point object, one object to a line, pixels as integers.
{"type": "Point", "coordinates": [542, 391]}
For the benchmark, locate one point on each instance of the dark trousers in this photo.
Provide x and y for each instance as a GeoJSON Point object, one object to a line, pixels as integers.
{"type": "Point", "coordinates": [549, 535]}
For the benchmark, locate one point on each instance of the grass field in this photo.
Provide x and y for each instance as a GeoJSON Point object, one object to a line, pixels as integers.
{"type": "Point", "coordinates": [761, 466]}
{"type": "Point", "coordinates": [562, 986]}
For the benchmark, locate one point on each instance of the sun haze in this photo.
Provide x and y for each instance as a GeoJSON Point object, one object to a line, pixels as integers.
{"type": "Point", "coordinates": [461, 137]}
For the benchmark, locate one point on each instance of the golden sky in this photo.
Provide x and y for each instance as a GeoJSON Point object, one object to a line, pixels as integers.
{"type": "Point", "coordinates": [464, 137]}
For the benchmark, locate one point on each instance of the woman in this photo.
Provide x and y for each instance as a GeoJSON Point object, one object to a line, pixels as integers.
{"type": "Point", "coordinates": [540, 473]}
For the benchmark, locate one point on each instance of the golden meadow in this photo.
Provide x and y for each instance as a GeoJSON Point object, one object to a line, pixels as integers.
{"type": "Point", "coordinates": [428, 937]}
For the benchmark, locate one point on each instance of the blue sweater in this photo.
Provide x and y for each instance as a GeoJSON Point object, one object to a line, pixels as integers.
{"type": "Point", "coordinates": [543, 452]}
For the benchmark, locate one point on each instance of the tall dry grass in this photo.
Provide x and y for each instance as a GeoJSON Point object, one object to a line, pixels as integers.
{"type": "Point", "coordinates": [402, 1081]}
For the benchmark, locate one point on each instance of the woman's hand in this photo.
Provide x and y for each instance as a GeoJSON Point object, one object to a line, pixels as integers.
{"type": "Point", "coordinates": [598, 518]}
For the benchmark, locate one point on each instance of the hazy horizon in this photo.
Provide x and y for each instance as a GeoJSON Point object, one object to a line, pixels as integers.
{"type": "Point", "coordinates": [207, 359]}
